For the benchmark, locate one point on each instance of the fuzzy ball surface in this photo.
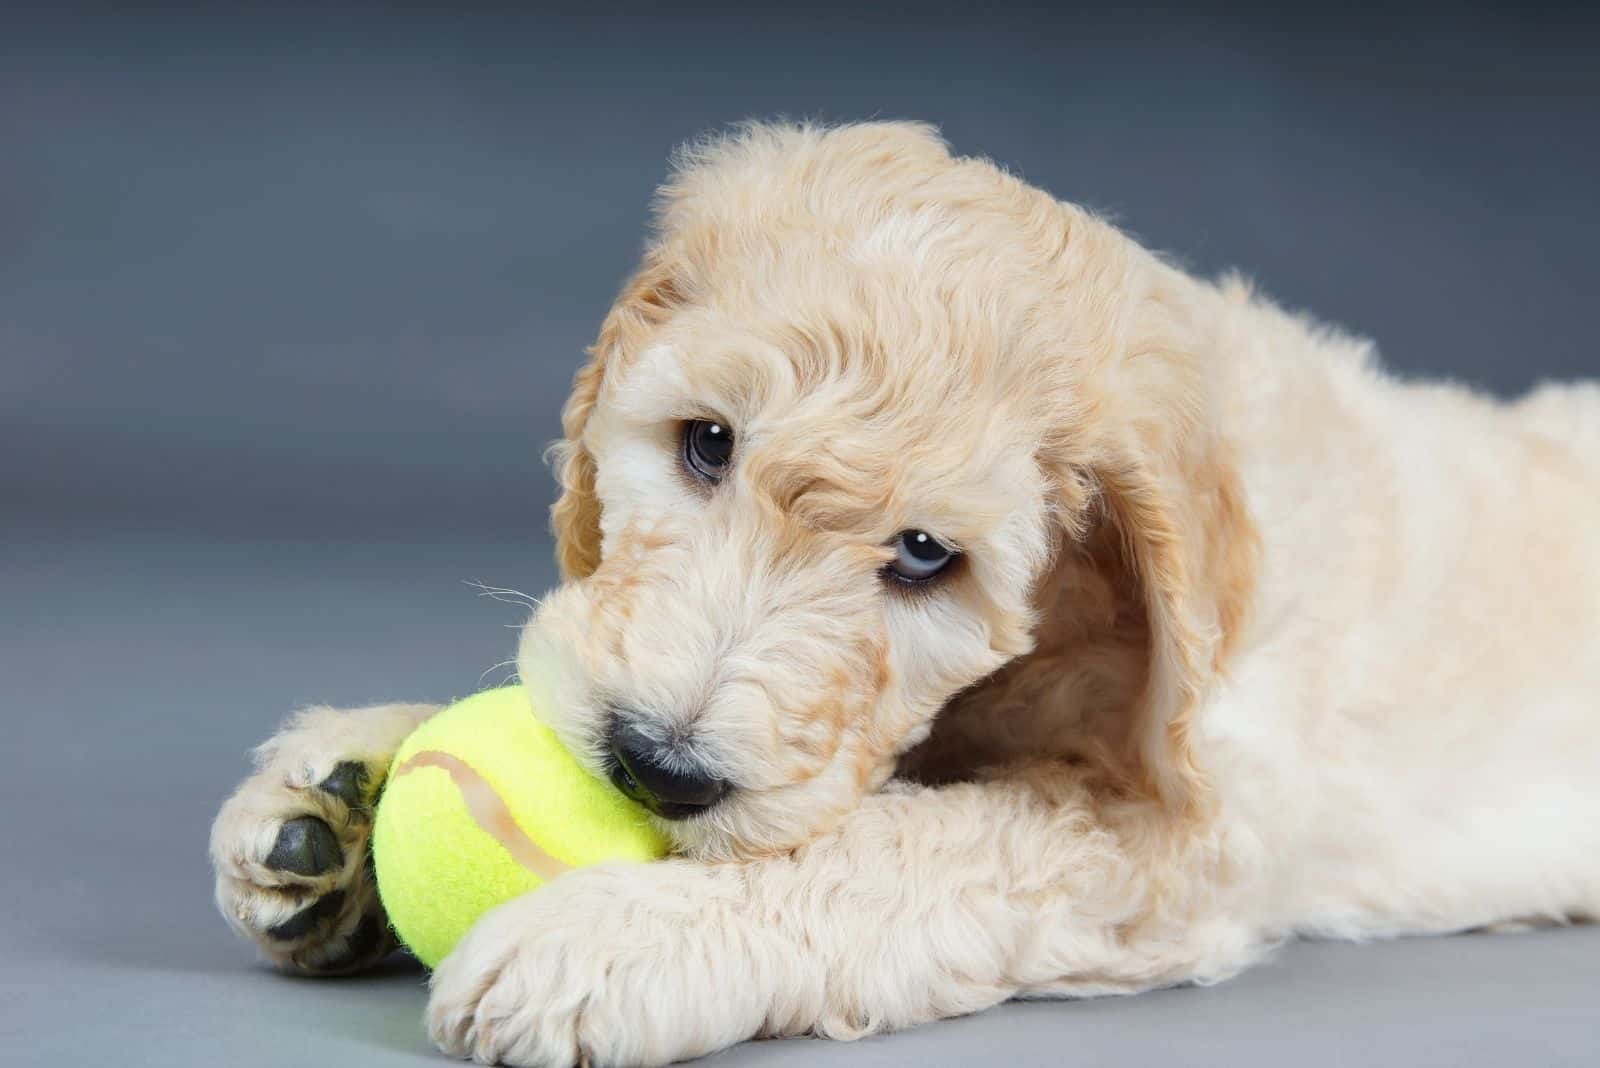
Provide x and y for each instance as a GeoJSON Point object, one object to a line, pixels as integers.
{"type": "Point", "coordinates": [482, 805]}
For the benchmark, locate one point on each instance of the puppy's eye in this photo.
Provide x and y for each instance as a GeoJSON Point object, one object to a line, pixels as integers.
{"type": "Point", "coordinates": [707, 449]}
{"type": "Point", "coordinates": [918, 557]}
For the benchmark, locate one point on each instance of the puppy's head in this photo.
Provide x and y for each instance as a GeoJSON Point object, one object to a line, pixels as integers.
{"type": "Point", "coordinates": [830, 437]}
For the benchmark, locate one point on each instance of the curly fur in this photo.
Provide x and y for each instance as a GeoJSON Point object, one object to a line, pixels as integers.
{"type": "Point", "coordinates": [1248, 638]}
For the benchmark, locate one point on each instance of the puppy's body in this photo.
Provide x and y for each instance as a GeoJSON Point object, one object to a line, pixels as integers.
{"type": "Point", "coordinates": [1244, 639]}
{"type": "Point", "coordinates": [1405, 736]}
{"type": "Point", "coordinates": [1411, 728]}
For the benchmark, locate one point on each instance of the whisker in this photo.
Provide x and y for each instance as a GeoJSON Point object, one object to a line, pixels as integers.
{"type": "Point", "coordinates": [512, 664]}
{"type": "Point", "coordinates": [504, 594]}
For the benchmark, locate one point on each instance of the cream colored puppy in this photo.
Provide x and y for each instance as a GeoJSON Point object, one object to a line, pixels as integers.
{"type": "Point", "coordinates": [986, 608]}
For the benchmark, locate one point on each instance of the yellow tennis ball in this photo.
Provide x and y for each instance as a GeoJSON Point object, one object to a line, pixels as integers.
{"type": "Point", "coordinates": [483, 804]}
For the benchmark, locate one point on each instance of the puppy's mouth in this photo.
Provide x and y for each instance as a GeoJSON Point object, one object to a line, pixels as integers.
{"type": "Point", "coordinates": [667, 782]}
{"type": "Point", "coordinates": [624, 781]}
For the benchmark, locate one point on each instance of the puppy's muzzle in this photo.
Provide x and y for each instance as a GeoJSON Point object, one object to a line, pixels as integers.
{"type": "Point", "coordinates": [664, 777]}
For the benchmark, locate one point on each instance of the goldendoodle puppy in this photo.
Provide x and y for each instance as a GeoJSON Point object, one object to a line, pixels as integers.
{"type": "Point", "coordinates": [984, 607]}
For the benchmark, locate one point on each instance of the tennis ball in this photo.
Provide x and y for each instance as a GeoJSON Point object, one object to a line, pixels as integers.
{"type": "Point", "coordinates": [483, 804]}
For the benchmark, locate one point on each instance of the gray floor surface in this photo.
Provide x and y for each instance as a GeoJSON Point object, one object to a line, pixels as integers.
{"type": "Point", "coordinates": [138, 669]}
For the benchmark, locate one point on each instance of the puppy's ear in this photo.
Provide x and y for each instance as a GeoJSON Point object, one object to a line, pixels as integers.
{"type": "Point", "coordinates": [1191, 545]}
{"type": "Point", "coordinates": [644, 302]}
{"type": "Point", "coordinates": [1168, 482]}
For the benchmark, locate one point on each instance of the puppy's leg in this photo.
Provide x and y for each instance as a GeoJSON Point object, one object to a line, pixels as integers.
{"type": "Point", "coordinates": [290, 846]}
{"type": "Point", "coordinates": [926, 903]}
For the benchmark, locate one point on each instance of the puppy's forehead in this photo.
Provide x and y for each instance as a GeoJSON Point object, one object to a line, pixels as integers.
{"type": "Point", "coordinates": [815, 320]}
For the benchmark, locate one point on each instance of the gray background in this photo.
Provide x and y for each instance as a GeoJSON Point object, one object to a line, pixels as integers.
{"type": "Point", "coordinates": [288, 303]}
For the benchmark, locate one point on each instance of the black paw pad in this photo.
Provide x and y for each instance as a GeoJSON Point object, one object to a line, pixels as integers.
{"type": "Point", "coordinates": [305, 846]}
{"type": "Point", "coordinates": [306, 920]}
{"type": "Point", "coordinates": [348, 782]}
{"type": "Point", "coordinates": [366, 944]}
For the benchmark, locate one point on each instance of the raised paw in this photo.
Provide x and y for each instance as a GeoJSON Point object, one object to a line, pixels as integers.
{"type": "Point", "coordinates": [293, 870]}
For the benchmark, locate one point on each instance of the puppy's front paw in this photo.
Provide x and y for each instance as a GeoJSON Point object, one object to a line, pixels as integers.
{"type": "Point", "coordinates": [615, 965]}
{"type": "Point", "coordinates": [292, 870]}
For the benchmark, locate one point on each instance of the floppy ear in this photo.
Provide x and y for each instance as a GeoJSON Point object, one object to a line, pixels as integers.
{"type": "Point", "coordinates": [1168, 482]}
{"type": "Point", "coordinates": [1191, 545]}
{"type": "Point", "coordinates": [644, 302]}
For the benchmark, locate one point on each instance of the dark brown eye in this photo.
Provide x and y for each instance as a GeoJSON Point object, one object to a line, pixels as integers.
{"type": "Point", "coordinates": [707, 449]}
{"type": "Point", "coordinates": [918, 557]}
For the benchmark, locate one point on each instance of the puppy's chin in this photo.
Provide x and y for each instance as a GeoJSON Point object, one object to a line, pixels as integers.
{"type": "Point", "coordinates": [753, 824]}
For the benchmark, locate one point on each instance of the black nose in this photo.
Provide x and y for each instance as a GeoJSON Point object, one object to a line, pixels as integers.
{"type": "Point", "coordinates": [665, 780]}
